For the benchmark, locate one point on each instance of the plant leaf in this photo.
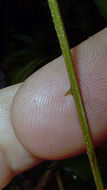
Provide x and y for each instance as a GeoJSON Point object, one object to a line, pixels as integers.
{"type": "Point", "coordinates": [80, 167]}
{"type": "Point", "coordinates": [102, 6]}
{"type": "Point", "coordinates": [22, 73]}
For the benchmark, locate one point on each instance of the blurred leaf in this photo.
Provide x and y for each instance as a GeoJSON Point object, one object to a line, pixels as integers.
{"type": "Point", "coordinates": [24, 52]}
{"type": "Point", "coordinates": [24, 38]}
{"type": "Point", "coordinates": [102, 6]}
{"type": "Point", "coordinates": [104, 172]}
{"type": "Point", "coordinates": [79, 166]}
{"type": "Point", "coordinates": [25, 56]}
{"type": "Point", "coordinates": [22, 73]}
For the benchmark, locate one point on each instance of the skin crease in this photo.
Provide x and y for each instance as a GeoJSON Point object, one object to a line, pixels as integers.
{"type": "Point", "coordinates": [37, 120]}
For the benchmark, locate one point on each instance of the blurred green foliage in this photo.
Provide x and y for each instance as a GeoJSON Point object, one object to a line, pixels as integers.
{"type": "Point", "coordinates": [27, 42]}
{"type": "Point", "coordinates": [79, 168]}
{"type": "Point", "coordinates": [27, 33]}
{"type": "Point", "coordinates": [75, 173]}
{"type": "Point", "coordinates": [102, 6]}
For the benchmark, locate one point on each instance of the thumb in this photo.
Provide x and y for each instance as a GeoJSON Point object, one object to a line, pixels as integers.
{"type": "Point", "coordinates": [45, 121]}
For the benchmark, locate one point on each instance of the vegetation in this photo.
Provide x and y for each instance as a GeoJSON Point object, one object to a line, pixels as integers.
{"type": "Point", "coordinates": [28, 41]}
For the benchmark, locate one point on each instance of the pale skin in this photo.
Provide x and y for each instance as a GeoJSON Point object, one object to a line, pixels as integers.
{"type": "Point", "coordinates": [37, 120]}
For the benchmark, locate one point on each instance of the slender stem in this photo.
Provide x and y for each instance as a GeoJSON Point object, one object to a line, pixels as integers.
{"type": "Point", "coordinates": [59, 180]}
{"type": "Point", "coordinates": [46, 176]}
{"type": "Point", "coordinates": [54, 8]}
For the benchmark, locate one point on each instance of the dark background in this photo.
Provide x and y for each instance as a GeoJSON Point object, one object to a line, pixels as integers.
{"type": "Point", "coordinates": [27, 42]}
{"type": "Point", "coordinates": [27, 33]}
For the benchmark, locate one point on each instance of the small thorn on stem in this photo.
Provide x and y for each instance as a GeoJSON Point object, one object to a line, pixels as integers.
{"type": "Point", "coordinates": [69, 92]}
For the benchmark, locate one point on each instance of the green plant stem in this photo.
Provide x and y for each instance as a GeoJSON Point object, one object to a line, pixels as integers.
{"type": "Point", "coordinates": [54, 8]}
{"type": "Point", "coordinates": [59, 180]}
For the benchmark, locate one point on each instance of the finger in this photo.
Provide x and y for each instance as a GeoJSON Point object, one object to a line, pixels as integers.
{"type": "Point", "coordinates": [13, 157]}
{"type": "Point", "coordinates": [45, 120]}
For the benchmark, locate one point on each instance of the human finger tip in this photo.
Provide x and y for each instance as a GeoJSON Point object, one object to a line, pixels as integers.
{"type": "Point", "coordinates": [46, 121]}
